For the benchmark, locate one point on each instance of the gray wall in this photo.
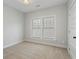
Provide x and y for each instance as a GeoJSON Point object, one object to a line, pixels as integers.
{"type": "Point", "coordinates": [61, 19]}
{"type": "Point", "coordinates": [13, 26]}
{"type": "Point", "coordinates": [72, 28]}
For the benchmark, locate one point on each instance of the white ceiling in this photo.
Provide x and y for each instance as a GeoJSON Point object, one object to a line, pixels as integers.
{"type": "Point", "coordinates": [18, 4]}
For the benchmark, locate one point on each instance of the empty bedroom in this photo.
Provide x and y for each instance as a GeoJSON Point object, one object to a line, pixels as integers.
{"type": "Point", "coordinates": [39, 29]}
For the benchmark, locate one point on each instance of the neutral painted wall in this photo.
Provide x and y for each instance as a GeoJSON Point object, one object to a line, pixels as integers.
{"type": "Point", "coordinates": [13, 26]}
{"type": "Point", "coordinates": [72, 32]}
{"type": "Point", "coordinates": [61, 19]}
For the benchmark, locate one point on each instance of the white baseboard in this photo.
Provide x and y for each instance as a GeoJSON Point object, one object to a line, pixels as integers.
{"type": "Point", "coordinates": [14, 43]}
{"type": "Point", "coordinates": [46, 43]}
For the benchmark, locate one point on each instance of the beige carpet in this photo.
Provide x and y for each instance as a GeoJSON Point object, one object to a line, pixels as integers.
{"type": "Point", "coordinates": [26, 50]}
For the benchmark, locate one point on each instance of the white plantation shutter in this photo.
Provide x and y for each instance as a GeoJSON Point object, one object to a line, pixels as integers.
{"type": "Point", "coordinates": [37, 33]}
{"type": "Point", "coordinates": [49, 28]}
{"type": "Point", "coordinates": [37, 28]}
{"type": "Point", "coordinates": [37, 23]}
{"type": "Point", "coordinates": [44, 28]}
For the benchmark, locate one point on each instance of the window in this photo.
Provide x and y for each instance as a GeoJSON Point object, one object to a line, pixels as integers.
{"type": "Point", "coordinates": [44, 28]}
